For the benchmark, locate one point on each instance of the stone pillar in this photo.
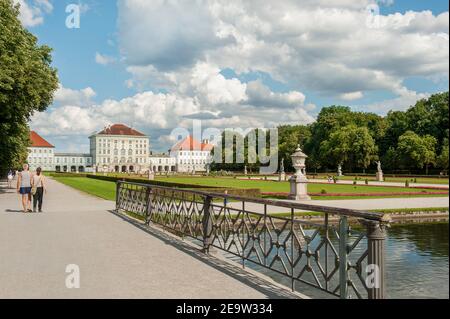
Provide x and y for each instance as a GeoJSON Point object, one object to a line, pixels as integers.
{"type": "Point", "coordinates": [380, 177]}
{"type": "Point", "coordinates": [151, 175]}
{"type": "Point", "coordinates": [376, 235]}
{"type": "Point", "coordinates": [299, 187]}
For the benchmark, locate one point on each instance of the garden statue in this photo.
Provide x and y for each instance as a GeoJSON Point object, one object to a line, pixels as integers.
{"type": "Point", "coordinates": [282, 175]}
{"type": "Point", "coordinates": [380, 177]}
{"type": "Point", "coordinates": [339, 170]}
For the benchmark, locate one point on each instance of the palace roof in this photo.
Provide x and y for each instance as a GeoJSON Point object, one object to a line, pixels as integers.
{"type": "Point", "coordinates": [120, 129]}
{"type": "Point", "coordinates": [190, 144]}
{"type": "Point", "coordinates": [39, 141]}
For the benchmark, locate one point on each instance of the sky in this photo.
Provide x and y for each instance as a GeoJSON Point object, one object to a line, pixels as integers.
{"type": "Point", "coordinates": [157, 65]}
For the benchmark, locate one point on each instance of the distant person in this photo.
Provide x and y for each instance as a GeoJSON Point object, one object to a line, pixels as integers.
{"type": "Point", "coordinates": [38, 189]}
{"type": "Point", "coordinates": [10, 178]}
{"type": "Point", "coordinates": [24, 188]}
{"type": "Point", "coordinates": [225, 199]}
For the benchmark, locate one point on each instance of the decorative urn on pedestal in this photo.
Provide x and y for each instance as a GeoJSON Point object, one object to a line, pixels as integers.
{"type": "Point", "coordinates": [299, 182]}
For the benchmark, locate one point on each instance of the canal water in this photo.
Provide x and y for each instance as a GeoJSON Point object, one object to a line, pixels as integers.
{"type": "Point", "coordinates": [416, 258]}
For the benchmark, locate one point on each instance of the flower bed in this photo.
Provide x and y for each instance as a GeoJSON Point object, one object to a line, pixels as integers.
{"type": "Point", "coordinates": [358, 194]}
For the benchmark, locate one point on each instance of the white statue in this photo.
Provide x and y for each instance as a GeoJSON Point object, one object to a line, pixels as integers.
{"type": "Point", "coordinates": [380, 177]}
{"type": "Point", "coordinates": [340, 170]}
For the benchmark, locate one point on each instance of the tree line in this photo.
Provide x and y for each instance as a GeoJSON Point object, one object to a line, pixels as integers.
{"type": "Point", "coordinates": [27, 84]}
{"type": "Point", "coordinates": [414, 140]}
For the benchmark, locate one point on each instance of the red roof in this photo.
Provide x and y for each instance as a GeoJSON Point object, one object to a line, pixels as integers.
{"type": "Point", "coordinates": [190, 144]}
{"type": "Point", "coordinates": [38, 141]}
{"type": "Point", "coordinates": [120, 129]}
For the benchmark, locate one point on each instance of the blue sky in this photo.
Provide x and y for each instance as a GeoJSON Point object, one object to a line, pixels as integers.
{"type": "Point", "coordinates": [223, 82]}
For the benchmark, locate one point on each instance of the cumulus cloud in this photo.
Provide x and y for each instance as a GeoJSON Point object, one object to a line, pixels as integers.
{"type": "Point", "coordinates": [400, 103]}
{"type": "Point", "coordinates": [166, 34]}
{"type": "Point", "coordinates": [351, 96]}
{"type": "Point", "coordinates": [260, 95]}
{"type": "Point", "coordinates": [32, 11]}
{"type": "Point", "coordinates": [326, 46]}
{"type": "Point", "coordinates": [104, 59]}
{"type": "Point", "coordinates": [66, 96]}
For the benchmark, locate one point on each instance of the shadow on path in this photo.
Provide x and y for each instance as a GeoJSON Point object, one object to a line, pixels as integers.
{"type": "Point", "coordinates": [260, 284]}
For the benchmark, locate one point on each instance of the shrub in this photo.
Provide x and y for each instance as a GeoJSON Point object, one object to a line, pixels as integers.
{"type": "Point", "coordinates": [366, 181]}
{"type": "Point", "coordinates": [355, 183]}
{"type": "Point", "coordinates": [406, 183]}
{"type": "Point", "coordinates": [323, 191]}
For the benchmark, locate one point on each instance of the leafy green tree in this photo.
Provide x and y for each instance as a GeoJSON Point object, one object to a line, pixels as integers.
{"type": "Point", "coordinates": [442, 160]}
{"type": "Point", "coordinates": [351, 146]}
{"type": "Point", "coordinates": [27, 83]}
{"type": "Point", "coordinates": [416, 151]}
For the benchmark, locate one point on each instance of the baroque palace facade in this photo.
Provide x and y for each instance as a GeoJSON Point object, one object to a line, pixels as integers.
{"type": "Point", "coordinates": [119, 148]}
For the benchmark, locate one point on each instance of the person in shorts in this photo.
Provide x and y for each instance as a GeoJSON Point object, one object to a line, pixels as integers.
{"type": "Point", "coordinates": [24, 188]}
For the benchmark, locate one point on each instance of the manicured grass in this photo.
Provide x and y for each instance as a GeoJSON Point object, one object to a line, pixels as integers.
{"type": "Point", "coordinates": [419, 180]}
{"type": "Point", "coordinates": [283, 187]}
{"type": "Point", "coordinates": [106, 190]}
{"type": "Point", "coordinates": [102, 189]}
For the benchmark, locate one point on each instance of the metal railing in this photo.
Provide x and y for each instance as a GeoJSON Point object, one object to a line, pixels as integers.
{"type": "Point", "coordinates": [325, 253]}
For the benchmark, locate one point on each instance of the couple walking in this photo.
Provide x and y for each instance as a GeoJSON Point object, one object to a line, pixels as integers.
{"type": "Point", "coordinates": [29, 184]}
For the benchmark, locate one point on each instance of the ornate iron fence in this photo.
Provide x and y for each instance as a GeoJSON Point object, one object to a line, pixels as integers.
{"type": "Point", "coordinates": [326, 254]}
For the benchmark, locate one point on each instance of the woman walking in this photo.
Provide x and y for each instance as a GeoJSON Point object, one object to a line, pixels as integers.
{"type": "Point", "coordinates": [38, 189]}
{"type": "Point", "coordinates": [24, 188]}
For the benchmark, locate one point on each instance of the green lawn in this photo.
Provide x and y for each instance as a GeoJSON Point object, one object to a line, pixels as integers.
{"type": "Point", "coordinates": [102, 189]}
{"type": "Point", "coordinates": [283, 187]}
{"type": "Point", "coordinates": [420, 180]}
{"type": "Point", "coordinates": [106, 190]}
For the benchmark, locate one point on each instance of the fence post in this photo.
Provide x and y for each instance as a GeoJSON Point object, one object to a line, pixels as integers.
{"type": "Point", "coordinates": [376, 281]}
{"type": "Point", "coordinates": [148, 210]}
{"type": "Point", "coordinates": [207, 224]}
{"type": "Point", "coordinates": [343, 269]}
{"type": "Point", "coordinates": [117, 196]}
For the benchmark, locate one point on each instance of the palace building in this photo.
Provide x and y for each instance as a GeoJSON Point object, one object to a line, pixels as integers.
{"type": "Point", "coordinates": [191, 155]}
{"type": "Point", "coordinates": [42, 154]}
{"type": "Point", "coordinates": [119, 148]}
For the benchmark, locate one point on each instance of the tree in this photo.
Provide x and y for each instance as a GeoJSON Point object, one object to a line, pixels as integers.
{"type": "Point", "coordinates": [27, 83]}
{"type": "Point", "coordinates": [442, 160]}
{"type": "Point", "coordinates": [416, 151]}
{"type": "Point", "coordinates": [351, 146]}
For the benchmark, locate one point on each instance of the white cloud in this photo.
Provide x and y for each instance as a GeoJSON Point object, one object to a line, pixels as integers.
{"type": "Point", "coordinates": [404, 101]}
{"type": "Point", "coordinates": [104, 59]}
{"type": "Point", "coordinates": [32, 11]}
{"type": "Point", "coordinates": [261, 95]}
{"type": "Point", "coordinates": [66, 96]}
{"type": "Point", "coordinates": [325, 46]}
{"type": "Point", "coordinates": [351, 96]}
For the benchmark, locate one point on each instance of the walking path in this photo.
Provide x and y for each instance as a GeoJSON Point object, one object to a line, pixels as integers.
{"type": "Point", "coordinates": [358, 204]}
{"type": "Point", "coordinates": [371, 183]}
{"type": "Point", "coordinates": [116, 259]}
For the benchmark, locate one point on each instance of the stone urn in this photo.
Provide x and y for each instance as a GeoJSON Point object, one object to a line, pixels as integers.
{"type": "Point", "coordinates": [299, 182]}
